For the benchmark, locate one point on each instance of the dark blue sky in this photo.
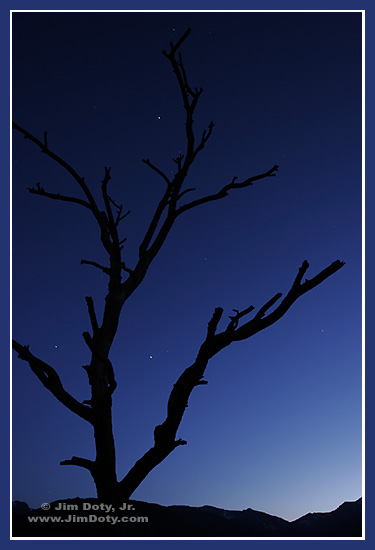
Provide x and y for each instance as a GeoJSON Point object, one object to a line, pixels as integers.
{"type": "Point", "coordinates": [278, 427]}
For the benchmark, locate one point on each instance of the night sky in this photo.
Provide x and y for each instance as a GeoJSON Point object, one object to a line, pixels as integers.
{"type": "Point", "coordinates": [278, 427]}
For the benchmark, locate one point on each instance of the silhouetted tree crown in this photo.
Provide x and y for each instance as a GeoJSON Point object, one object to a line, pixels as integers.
{"type": "Point", "coordinates": [123, 280]}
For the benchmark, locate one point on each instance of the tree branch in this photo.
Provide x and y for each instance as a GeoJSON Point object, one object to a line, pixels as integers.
{"type": "Point", "coordinates": [151, 230]}
{"type": "Point", "coordinates": [92, 314]}
{"type": "Point", "coordinates": [234, 319]}
{"type": "Point", "coordinates": [156, 233]}
{"type": "Point", "coordinates": [165, 433]}
{"type": "Point", "coordinates": [50, 380]}
{"type": "Point", "coordinates": [224, 190]}
{"type": "Point", "coordinates": [143, 467]}
{"type": "Point", "coordinates": [126, 269]}
{"type": "Point", "coordinates": [205, 137]}
{"type": "Point", "coordinates": [101, 220]}
{"type": "Point", "coordinates": [260, 322]}
{"type": "Point", "coordinates": [190, 99]}
{"type": "Point", "coordinates": [215, 342]}
{"type": "Point", "coordinates": [157, 170]}
{"type": "Point", "coordinates": [119, 216]}
{"type": "Point", "coordinates": [267, 306]}
{"type": "Point", "coordinates": [57, 196]}
{"type": "Point", "coordinates": [80, 180]}
{"type": "Point", "coordinates": [105, 270]}
{"type": "Point", "coordinates": [185, 192]}
{"type": "Point", "coordinates": [173, 194]}
{"type": "Point", "coordinates": [78, 461]}
{"type": "Point", "coordinates": [112, 222]}
{"type": "Point", "coordinates": [107, 203]}
{"type": "Point", "coordinates": [184, 78]}
{"type": "Point", "coordinates": [181, 40]}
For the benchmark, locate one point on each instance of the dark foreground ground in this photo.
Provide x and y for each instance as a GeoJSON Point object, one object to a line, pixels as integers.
{"type": "Point", "coordinates": [81, 518]}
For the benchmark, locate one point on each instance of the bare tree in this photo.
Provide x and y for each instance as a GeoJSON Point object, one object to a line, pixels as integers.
{"type": "Point", "coordinates": [123, 280]}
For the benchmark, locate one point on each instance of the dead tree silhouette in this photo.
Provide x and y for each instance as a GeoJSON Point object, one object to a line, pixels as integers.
{"type": "Point", "coordinates": [124, 280]}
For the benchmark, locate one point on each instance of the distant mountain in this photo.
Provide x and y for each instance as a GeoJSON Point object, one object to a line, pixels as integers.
{"type": "Point", "coordinates": [82, 518]}
{"type": "Point", "coordinates": [345, 521]}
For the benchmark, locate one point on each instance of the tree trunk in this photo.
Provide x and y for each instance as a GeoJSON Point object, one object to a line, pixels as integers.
{"type": "Point", "coordinates": [104, 473]}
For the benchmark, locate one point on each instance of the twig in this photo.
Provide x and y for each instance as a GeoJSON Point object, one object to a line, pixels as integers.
{"type": "Point", "coordinates": [105, 270]}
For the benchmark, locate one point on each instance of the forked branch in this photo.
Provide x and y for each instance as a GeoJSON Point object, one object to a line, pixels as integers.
{"type": "Point", "coordinates": [223, 192]}
{"type": "Point", "coordinates": [165, 433]}
{"type": "Point", "coordinates": [101, 219]}
{"type": "Point", "coordinates": [45, 149]}
{"type": "Point", "coordinates": [38, 190]}
{"type": "Point", "coordinates": [50, 380]}
{"type": "Point", "coordinates": [168, 209]}
{"type": "Point", "coordinates": [262, 321]}
{"type": "Point", "coordinates": [109, 202]}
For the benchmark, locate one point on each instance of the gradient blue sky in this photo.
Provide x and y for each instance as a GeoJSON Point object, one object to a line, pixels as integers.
{"type": "Point", "coordinates": [278, 427]}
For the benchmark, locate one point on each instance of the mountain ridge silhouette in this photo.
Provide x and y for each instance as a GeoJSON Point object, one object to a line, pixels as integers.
{"type": "Point", "coordinates": [181, 521]}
